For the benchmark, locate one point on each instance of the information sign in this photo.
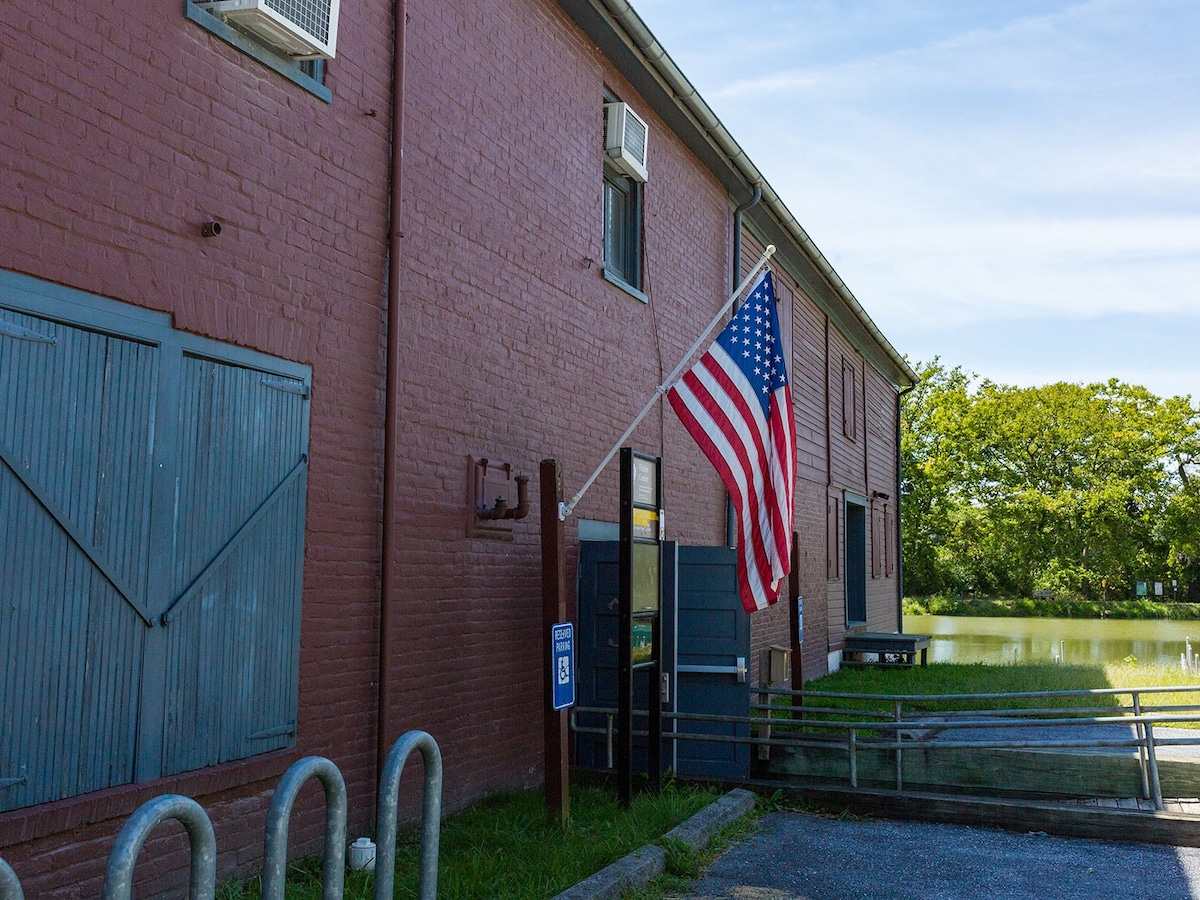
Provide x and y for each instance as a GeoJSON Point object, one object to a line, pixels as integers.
{"type": "Point", "coordinates": [639, 594]}
{"type": "Point", "coordinates": [562, 655]}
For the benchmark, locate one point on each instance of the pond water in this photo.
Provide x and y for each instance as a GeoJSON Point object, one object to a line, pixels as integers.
{"type": "Point", "coordinates": [967, 639]}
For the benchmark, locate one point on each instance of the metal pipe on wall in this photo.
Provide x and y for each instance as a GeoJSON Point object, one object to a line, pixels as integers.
{"type": "Point", "coordinates": [391, 415]}
{"type": "Point", "coordinates": [730, 523]}
{"type": "Point", "coordinates": [899, 518]}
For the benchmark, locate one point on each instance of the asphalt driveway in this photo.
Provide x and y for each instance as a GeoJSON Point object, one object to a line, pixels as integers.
{"type": "Point", "coordinates": [796, 856]}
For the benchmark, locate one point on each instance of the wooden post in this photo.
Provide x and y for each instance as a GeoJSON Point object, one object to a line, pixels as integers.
{"type": "Point", "coordinates": [554, 610]}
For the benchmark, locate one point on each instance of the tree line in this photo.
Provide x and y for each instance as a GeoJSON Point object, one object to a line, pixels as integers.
{"type": "Point", "coordinates": [1083, 490]}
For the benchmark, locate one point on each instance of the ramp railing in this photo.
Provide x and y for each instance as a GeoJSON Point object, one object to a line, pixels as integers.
{"type": "Point", "coordinates": [898, 728]}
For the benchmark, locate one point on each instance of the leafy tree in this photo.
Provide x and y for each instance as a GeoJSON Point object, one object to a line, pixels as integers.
{"type": "Point", "coordinates": [929, 414]}
{"type": "Point", "coordinates": [1079, 489]}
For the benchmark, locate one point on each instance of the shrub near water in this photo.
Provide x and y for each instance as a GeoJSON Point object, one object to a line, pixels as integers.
{"type": "Point", "coordinates": [1059, 608]}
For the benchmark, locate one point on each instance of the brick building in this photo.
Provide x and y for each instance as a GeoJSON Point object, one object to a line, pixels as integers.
{"type": "Point", "coordinates": [202, 240]}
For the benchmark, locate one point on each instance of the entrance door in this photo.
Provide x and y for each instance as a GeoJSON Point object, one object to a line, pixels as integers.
{"type": "Point", "coordinates": [711, 663]}
{"type": "Point", "coordinates": [706, 648]}
{"type": "Point", "coordinates": [856, 563]}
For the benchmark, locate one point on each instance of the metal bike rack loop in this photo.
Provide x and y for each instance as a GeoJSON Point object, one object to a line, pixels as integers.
{"type": "Point", "coordinates": [10, 885]}
{"type": "Point", "coordinates": [118, 877]}
{"type": "Point", "coordinates": [387, 811]}
{"type": "Point", "coordinates": [274, 874]}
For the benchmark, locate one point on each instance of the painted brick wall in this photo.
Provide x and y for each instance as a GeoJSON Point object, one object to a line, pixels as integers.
{"type": "Point", "coordinates": [129, 127]}
{"type": "Point", "coordinates": [519, 350]}
{"type": "Point", "coordinates": [125, 128]}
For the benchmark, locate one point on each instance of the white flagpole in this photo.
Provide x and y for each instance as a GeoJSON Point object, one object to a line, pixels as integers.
{"type": "Point", "coordinates": [565, 509]}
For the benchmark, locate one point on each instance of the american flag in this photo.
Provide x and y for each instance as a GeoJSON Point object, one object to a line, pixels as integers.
{"type": "Point", "coordinates": [737, 405]}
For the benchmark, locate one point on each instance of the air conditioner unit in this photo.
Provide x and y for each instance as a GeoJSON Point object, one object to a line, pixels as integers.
{"type": "Point", "coordinates": [625, 136]}
{"type": "Point", "coordinates": [302, 29]}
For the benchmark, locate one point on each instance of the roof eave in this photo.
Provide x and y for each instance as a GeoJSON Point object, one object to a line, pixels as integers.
{"type": "Point", "coordinates": [626, 41]}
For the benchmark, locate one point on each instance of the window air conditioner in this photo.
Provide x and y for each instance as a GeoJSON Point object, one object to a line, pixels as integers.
{"type": "Point", "coordinates": [301, 29]}
{"type": "Point", "coordinates": [625, 139]}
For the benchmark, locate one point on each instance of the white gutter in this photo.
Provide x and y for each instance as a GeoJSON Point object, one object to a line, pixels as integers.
{"type": "Point", "coordinates": [686, 93]}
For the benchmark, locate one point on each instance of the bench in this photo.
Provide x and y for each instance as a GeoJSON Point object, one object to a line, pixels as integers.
{"type": "Point", "coordinates": [889, 649]}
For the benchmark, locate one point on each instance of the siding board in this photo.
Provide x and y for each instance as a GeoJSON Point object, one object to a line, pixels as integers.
{"type": "Point", "coordinates": [75, 422]}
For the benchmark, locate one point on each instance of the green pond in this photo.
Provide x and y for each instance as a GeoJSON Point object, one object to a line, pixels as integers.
{"type": "Point", "coordinates": [967, 639]}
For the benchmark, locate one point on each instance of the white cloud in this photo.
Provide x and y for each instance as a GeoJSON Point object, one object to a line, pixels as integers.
{"type": "Point", "coordinates": [1010, 161]}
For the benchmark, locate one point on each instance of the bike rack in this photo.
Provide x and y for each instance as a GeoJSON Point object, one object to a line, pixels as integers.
{"type": "Point", "coordinates": [118, 877]}
{"type": "Point", "coordinates": [274, 873]}
{"type": "Point", "coordinates": [10, 884]}
{"type": "Point", "coordinates": [387, 811]}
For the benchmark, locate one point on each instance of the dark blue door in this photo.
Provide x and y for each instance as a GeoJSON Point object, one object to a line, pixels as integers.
{"type": "Point", "coordinates": [706, 643]}
{"type": "Point", "coordinates": [712, 657]}
{"type": "Point", "coordinates": [597, 660]}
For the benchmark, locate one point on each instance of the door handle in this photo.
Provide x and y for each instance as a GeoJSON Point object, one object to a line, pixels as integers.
{"type": "Point", "coordinates": [739, 670]}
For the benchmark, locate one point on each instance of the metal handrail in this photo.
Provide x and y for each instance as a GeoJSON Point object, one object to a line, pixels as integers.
{"type": "Point", "coordinates": [1141, 718]}
{"type": "Point", "coordinates": [1081, 692]}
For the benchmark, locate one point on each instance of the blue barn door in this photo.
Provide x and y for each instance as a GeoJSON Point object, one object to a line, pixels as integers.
{"type": "Point", "coordinates": [152, 499]}
{"type": "Point", "coordinates": [76, 444]}
{"type": "Point", "coordinates": [705, 634]}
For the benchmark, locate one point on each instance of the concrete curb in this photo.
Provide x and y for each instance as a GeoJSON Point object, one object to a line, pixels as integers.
{"type": "Point", "coordinates": [636, 869]}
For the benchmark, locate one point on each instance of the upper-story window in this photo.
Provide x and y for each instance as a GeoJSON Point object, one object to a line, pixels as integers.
{"type": "Point", "coordinates": [849, 401]}
{"type": "Point", "coordinates": [622, 228]}
{"type": "Point", "coordinates": [625, 139]}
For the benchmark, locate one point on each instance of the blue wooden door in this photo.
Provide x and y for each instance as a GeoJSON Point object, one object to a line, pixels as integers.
{"type": "Point", "coordinates": [76, 443]}
{"type": "Point", "coordinates": [705, 634]}
{"type": "Point", "coordinates": [152, 495]}
{"type": "Point", "coordinates": [711, 666]}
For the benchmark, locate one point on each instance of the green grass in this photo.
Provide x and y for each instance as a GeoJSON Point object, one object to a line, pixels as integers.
{"type": "Point", "coordinates": [505, 847]}
{"type": "Point", "coordinates": [1028, 607]}
{"type": "Point", "coordinates": [684, 864]}
{"type": "Point", "coordinates": [978, 678]}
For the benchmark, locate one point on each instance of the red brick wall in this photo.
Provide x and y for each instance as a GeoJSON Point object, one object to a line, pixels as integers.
{"type": "Point", "coordinates": [519, 350]}
{"type": "Point", "coordinates": [129, 127]}
{"type": "Point", "coordinates": [126, 127]}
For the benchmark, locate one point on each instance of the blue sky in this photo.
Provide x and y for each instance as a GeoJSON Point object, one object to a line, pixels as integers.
{"type": "Point", "coordinates": [1011, 185]}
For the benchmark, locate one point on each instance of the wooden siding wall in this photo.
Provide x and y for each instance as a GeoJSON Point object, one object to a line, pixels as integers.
{"type": "Point", "coordinates": [830, 464]}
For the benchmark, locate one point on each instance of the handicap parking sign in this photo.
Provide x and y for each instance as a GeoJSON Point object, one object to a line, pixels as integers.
{"type": "Point", "coordinates": [562, 640]}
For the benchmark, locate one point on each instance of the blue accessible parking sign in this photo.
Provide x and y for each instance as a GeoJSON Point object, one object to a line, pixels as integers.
{"type": "Point", "coordinates": [562, 638]}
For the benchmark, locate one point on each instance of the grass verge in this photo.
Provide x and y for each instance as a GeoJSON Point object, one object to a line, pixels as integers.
{"type": "Point", "coordinates": [685, 864]}
{"type": "Point", "coordinates": [978, 678]}
{"type": "Point", "coordinates": [505, 847]}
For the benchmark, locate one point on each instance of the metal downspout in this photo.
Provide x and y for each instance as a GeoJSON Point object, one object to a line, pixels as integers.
{"type": "Point", "coordinates": [899, 518]}
{"type": "Point", "coordinates": [730, 523]}
{"type": "Point", "coordinates": [391, 415]}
